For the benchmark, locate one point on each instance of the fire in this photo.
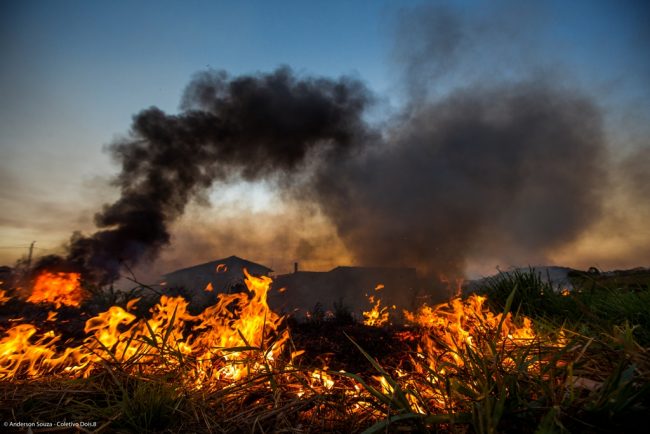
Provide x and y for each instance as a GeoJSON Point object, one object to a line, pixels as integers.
{"type": "Point", "coordinates": [320, 378]}
{"type": "Point", "coordinates": [23, 351]}
{"type": "Point", "coordinates": [228, 341]}
{"type": "Point", "coordinates": [16, 349]}
{"type": "Point", "coordinates": [452, 332]}
{"type": "Point", "coordinates": [248, 326]}
{"type": "Point", "coordinates": [240, 340]}
{"type": "Point", "coordinates": [58, 289]}
{"type": "Point", "coordinates": [3, 297]}
{"type": "Point", "coordinates": [377, 316]}
{"type": "Point", "coordinates": [457, 322]}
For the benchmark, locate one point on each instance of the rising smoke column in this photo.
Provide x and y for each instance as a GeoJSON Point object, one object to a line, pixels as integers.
{"type": "Point", "coordinates": [249, 127]}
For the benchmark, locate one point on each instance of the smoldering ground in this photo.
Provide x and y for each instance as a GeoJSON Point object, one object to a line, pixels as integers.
{"type": "Point", "coordinates": [511, 167]}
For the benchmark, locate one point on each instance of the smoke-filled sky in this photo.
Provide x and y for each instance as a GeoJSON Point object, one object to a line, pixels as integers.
{"type": "Point", "coordinates": [451, 136]}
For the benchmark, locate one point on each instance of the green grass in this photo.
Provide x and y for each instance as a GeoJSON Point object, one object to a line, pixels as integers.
{"type": "Point", "coordinates": [594, 307]}
{"type": "Point", "coordinates": [605, 382]}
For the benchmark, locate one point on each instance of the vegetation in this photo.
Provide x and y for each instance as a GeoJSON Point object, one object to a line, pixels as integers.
{"type": "Point", "coordinates": [584, 367]}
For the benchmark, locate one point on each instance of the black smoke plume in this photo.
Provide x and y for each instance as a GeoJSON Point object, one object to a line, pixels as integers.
{"type": "Point", "coordinates": [474, 165]}
{"type": "Point", "coordinates": [249, 127]}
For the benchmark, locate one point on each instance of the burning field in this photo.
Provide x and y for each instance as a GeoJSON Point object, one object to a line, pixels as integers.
{"type": "Point", "coordinates": [477, 154]}
{"type": "Point", "coordinates": [517, 356]}
{"type": "Point", "coordinates": [443, 182]}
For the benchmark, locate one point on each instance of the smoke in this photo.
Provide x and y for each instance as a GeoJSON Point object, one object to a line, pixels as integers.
{"type": "Point", "coordinates": [274, 236]}
{"type": "Point", "coordinates": [492, 156]}
{"type": "Point", "coordinates": [438, 47]}
{"type": "Point", "coordinates": [250, 127]}
{"type": "Point", "coordinates": [636, 175]}
{"type": "Point", "coordinates": [621, 238]}
{"type": "Point", "coordinates": [509, 168]}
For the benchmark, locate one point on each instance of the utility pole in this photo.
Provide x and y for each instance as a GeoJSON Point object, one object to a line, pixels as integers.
{"type": "Point", "coordinates": [31, 251]}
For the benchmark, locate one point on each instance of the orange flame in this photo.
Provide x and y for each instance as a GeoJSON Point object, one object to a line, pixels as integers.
{"type": "Point", "coordinates": [58, 289]}
{"type": "Point", "coordinates": [240, 321]}
{"type": "Point", "coordinates": [378, 315]}
{"type": "Point", "coordinates": [248, 326]}
{"type": "Point", "coordinates": [241, 336]}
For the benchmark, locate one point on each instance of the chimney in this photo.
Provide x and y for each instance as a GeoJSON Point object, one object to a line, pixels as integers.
{"type": "Point", "coordinates": [295, 267]}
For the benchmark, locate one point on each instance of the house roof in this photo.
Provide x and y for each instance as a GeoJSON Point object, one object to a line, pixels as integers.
{"type": "Point", "coordinates": [354, 269]}
{"type": "Point", "coordinates": [230, 262]}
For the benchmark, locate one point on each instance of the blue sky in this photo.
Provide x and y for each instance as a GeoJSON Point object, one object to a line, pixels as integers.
{"type": "Point", "coordinates": [74, 72]}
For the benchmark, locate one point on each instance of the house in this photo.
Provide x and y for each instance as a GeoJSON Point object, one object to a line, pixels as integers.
{"type": "Point", "coordinates": [299, 292]}
{"type": "Point", "coordinates": [201, 284]}
{"type": "Point", "coordinates": [346, 286]}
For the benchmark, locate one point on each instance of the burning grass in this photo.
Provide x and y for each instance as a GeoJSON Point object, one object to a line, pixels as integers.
{"type": "Point", "coordinates": [474, 364]}
{"type": "Point", "coordinates": [57, 289]}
